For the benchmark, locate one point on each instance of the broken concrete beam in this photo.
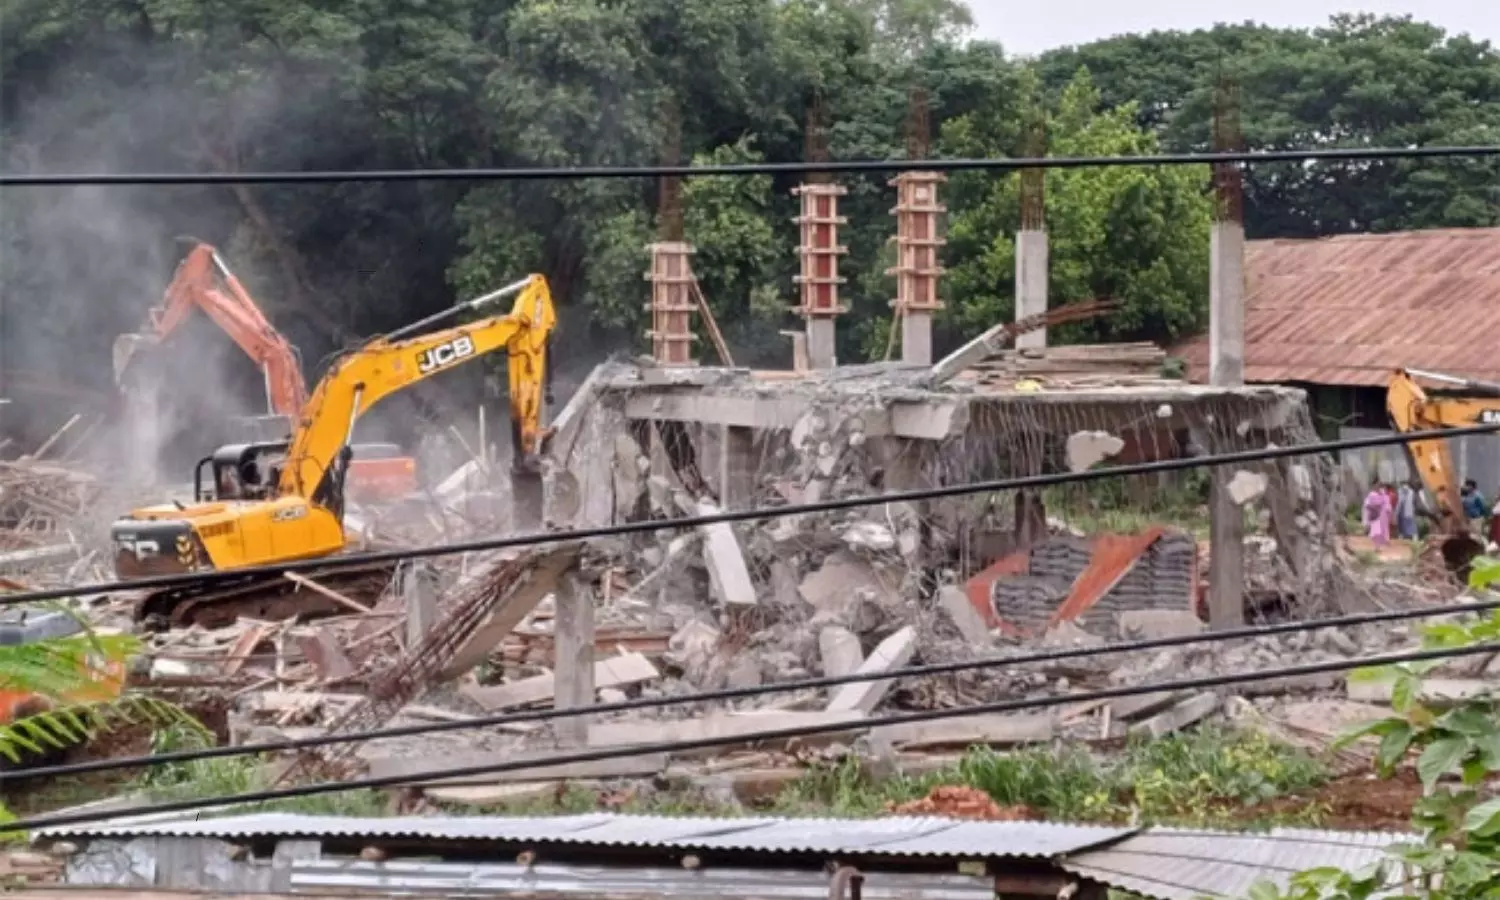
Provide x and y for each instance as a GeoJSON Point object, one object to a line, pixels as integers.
{"type": "Point", "coordinates": [840, 651]}
{"type": "Point", "coordinates": [930, 420]}
{"type": "Point", "coordinates": [746, 725]}
{"type": "Point", "coordinates": [1435, 691]}
{"type": "Point", "coordinates": [1178, 717]}
{"type": "Point", "coordinates": [1143, 704]}
{"type": "Point", "coordinates": [494, 794]}
{"type": "Point", "coordinates": [625, 669]}
{"type": "Point", "coordinates": [523, 577]}
{"type": "Point", "coordinates": [963, 615]}
{"type": "Point", "coordinates": [728, 575]}
{"type": "Point", "coordinates": [983, 730]}
{"type": "Point", "coordinates": [641, 765]}
{"type": "Point", "coordinates": [20, 559]}
{"type": "Point", "coordinates": [1087, 449]}
{"type": "Point", "coordinates": [863, 696]}
{"type": "Point", "coordinates": [1152, 624]}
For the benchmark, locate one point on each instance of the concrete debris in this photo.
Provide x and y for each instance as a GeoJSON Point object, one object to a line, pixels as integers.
{"type": "Point", "coordinates": [839, 650]}
{"type": "Point", "coordinates": [892, 653]}
{"type": "Point", "coordinates": [1148, 624]}
{"type": "Point", "coordinates": [955, 603]}
{"type": "Point", "coordinates": [1246, 487]}
{"type": "Point", "coordinates": [1087, 449]}
{"type": "Point", "coordinates": [668, 613]}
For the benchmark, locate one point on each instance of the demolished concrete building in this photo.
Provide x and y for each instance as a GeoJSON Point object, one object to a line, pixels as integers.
{"type": "Point", "coordinates": [661, 442]}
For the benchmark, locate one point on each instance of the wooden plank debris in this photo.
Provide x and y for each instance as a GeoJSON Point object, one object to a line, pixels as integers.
{"type": "Point", "coordinates": [330, 593]}
{"type": "Point", "coordinates": [640, 765]}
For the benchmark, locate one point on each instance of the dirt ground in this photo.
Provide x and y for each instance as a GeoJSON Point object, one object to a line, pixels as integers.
{"type": "Point", "coordinates": [1358, 802]}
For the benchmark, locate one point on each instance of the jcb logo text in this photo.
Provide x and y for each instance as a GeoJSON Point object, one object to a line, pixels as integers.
{"type": "Point", "coordinates": [1490, 417]}
{"type": "Point", "coordinates": [445, 354]}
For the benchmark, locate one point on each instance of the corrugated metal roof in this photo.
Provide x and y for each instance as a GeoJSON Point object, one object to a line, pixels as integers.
{"type": "Point", "coordinates": [1180, 864]}
{"type": "Point", "coordinates": [897, 837]}
{"type": "Point", "coordinates": [1347, 310]}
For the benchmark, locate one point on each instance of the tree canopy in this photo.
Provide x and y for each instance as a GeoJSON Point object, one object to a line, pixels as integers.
{"type": "Point", "coordinates": [188, 85]}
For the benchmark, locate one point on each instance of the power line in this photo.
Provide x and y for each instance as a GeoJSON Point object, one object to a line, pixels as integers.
{"type": "Point", "coordinates": [341, 561]}
{"type": "Point", "coordinates": [930, 669]}
{"type": "Point", "coordinates": [790, 168]}
{"type": "Point", "coordinates": [777, 734]}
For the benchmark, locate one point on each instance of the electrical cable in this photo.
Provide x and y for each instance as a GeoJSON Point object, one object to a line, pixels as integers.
{"type": "Point", "coordinates": [338, 562]}
{"type": "Point", "coordinates": [640, 703]}
{"type": "Point", "coordinates": [1249, 157]}
{"type": "Point", "coordinates": [776, 734]}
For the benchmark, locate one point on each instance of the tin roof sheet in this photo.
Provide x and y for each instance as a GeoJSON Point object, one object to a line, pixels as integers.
{"type": "Point", "coordinates": [1181, 864]}
{"type": "Point", "coordinates": [1347, 310]}
{"type": "Point", "coordinates": [895, 837]}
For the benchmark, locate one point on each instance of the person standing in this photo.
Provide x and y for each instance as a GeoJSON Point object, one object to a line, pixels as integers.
{"type": "Point", "coordinates": [1475, 507]}
{"type": "Point", "coordinates": [1377, 515]}
{"type": "Point", "coordinates": [1406, 512]}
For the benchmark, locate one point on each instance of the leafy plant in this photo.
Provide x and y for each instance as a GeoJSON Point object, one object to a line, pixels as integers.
{"type": "Point", "coordinates": [58, 729]}
{"type": "Point", "coordinates": [1457, 820]}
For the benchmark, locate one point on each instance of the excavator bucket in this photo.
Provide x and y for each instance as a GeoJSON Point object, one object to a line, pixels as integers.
{"type": "Point", "coordinates": [1459, 551]}
{"type": "Point", "coordinates": [126, 348]}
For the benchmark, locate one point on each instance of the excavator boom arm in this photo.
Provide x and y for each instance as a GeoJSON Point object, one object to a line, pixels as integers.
{"type": "Point", "coordinates": [197, 284]}
{"type": "Point", "coordinates": [1411, 409]}
{"type": "Point", "coordinates": [386, 365]}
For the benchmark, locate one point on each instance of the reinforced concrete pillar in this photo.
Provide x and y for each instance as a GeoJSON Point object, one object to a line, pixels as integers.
{"type": "Point", "coordinates": [672, 305]}
{"type": "Point", "coordinates": [1031, 284]}
{"type": "Point", "coordinates": [573, 663]}
{"type": "Point", "coordinates": [1226, 367]}
{"type": "Point", "coordinates": [819, 251]}
{"type": "Point", "coordinates": [917, 269]}
{"type": "Point", "coordinates": [736, 467]}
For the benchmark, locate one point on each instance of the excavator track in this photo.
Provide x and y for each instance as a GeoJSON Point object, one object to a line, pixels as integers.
{"type": "Point", "coordinates": [265, 597]}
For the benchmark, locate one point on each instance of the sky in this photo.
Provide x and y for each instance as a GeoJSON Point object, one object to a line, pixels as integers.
{"type": "Point", "coordinates": [1024, 29]}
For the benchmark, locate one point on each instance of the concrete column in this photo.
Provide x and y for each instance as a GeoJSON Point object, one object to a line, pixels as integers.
{"type": "Point", "coordinates": [1226, 367]}
{"type": "Point", "coordinates": [822, 344]}
{"type": "Point", "coordinates": [1031, 284]}
{"type": "Point", "coordinates": [672, 304]}
{"type": "Point", "coordinates": [916, 338]}
{"type": "Point", "coordinates": [573, 663]}
{"type": "Point", "coordinates": [419, 588]}
{"type": "Point", "coordinates": [818, 279]}
{"type": "Point", "coordinates": [903, 472]}
{"type": "Point", "coordinates": [917, 271]}
{"type": "Point", "coordinates": [736, 469]}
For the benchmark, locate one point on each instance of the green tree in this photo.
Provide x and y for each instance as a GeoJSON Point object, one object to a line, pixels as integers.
{"type": "Point", "coordinates": [1136, 234]}
{"type": "Point", "coordinates": [1361, 81]}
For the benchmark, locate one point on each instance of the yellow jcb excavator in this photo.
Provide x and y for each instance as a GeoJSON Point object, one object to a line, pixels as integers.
{"type": "Point", "coordinates": [1411, 409]}
{"type": "Point", "coordinates": [261, 504]}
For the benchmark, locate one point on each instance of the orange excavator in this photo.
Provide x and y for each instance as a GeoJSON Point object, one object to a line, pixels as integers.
{"type": "Point", "coordinates": [203, 281]}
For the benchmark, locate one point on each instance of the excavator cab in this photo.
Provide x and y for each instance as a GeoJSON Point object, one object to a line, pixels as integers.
{"type": "Point", "coordinates": [239, 472]}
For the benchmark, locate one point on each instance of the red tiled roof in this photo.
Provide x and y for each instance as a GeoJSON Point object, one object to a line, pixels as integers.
{"type": "Point", "coordinates": [1347, 310]}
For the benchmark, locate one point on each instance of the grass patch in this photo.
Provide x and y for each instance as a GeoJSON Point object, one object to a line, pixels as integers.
{"type": "Point", "coordinates": [1197, 778]}
{"type": "Point", "coordinates": [237, 775]}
